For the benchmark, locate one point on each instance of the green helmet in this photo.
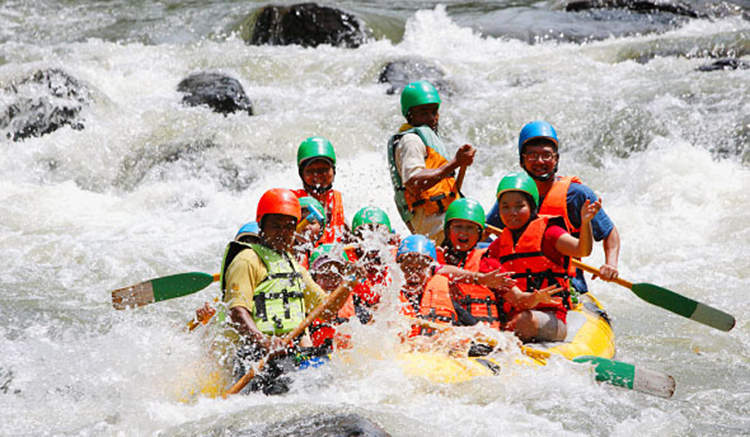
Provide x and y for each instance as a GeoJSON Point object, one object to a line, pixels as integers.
{"type": "Point", "coordinates": [465, 209]}
{"type": "Point", "coordinates": [326, 253]}
{"type": "Point", "coordinates": [312, 203]}
{"type": "Point", "coordinates": [418, 93]}
{"type": "Point", "coordinates": [371, 215]}
{"type": "Point", "coordinates": [315, 147]}
{"type": "Point", "coordinates": [515, 181]}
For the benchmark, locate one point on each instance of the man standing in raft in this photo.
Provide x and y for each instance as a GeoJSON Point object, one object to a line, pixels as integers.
{"type": "Point", "coordinates": [268, 293]}
{"type": "Point", "coordinates": [421, 173]}
{"type": "Point", "coordinates": [316, 162]}
{"type": "Point", "coordinates": [562, 196]}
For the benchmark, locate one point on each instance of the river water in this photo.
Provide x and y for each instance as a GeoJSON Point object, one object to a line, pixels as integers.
{"type": "Point", "coordinates": [150, 188]}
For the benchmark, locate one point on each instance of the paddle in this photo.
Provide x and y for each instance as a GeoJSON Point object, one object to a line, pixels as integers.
{"type": "Point", "coordinates": [661, 297]}
{"type": "Point", "coordinates": [620, 374]}
{"type": "Point", "coordinates": [460, 178]}
{"type": "Point", "coordinates": [342, 289]}
{"type": "Point", "coordinates": [159, 289]}
{"type": "Point", "coordinates": [672, 301]}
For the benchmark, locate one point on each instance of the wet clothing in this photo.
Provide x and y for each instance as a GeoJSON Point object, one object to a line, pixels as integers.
{"type": "Point", "coordinates": [576, 196]}
{"type": "Point", "coordinates": [335, 221]}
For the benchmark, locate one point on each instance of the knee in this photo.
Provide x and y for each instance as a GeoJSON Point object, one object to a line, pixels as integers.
{"type": "Point", "coordinates": [526, 326]}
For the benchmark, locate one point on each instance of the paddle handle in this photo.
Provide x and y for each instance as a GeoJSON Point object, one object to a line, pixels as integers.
{"type": "Point", "coordinates": [460, 178]}
{"type": "Point", "coordinates": [595, 271]}
{"type": "Point", "coordinates": [344, 288]}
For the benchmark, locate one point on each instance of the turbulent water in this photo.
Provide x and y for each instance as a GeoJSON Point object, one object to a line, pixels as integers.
{"type": "Point", "coordinates": [149, 187]}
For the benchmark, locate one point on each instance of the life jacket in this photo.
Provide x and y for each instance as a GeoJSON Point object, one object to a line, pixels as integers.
{"type": "Point", "coordinates": [532, 270]}
{"type": "Point", "coordinates": [555, 203]}
{"type": "Point", "coordinates": [278, 301]}
{"type": "Point", "coordinates": [335, 221]}
{"type": "Point", "coordinates": [435, 305]}
{"type": "Point", "coordinates": [323, 334]}
{"type": "Point", "coordinates": [435, 199]}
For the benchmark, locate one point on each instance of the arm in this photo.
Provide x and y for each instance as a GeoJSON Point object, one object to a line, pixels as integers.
{"type": "Point", "coordinates": [611, 245]}
{"type": "Point", "coordinates": [526, 301]}
{"type": "Point", "coordinates": [580, 247]}
{"type": "Point", "coordinates": [428, 177]}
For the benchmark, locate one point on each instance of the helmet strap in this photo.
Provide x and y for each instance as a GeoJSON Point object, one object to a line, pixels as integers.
{"type": "Point", "coordinates": [543, 178]}
{"type": "Point", "coordinates": [318, 189]}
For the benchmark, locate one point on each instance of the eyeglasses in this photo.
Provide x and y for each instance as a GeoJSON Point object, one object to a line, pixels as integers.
{"type": "Point", "coordinates": [545, 157]}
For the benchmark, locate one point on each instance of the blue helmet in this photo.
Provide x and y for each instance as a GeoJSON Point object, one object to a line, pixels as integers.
{"type": "Point", "coordinates": [536, 129]}
{"type": "Point", "coordinates": [417, 244]}
{"type": "Point", "coordinates": [249, 229]}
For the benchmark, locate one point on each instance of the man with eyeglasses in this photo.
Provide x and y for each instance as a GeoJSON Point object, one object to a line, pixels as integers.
{"type": "Point", "coordinates": [562, 196]}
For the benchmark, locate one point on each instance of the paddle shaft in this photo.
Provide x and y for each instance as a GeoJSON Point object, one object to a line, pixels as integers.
{"type": "Point", "coordinates": [460, 178]}
{"type": "Point", "coordinates": [342, 289]}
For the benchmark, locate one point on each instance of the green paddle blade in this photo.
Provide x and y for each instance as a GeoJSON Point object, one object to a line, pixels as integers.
{"type": "Point", "coordinates": [684, 306]}
{"type": "Point", "coordinates": [630, 377]}
{"type": "Point", "coordinates": [156, 290]}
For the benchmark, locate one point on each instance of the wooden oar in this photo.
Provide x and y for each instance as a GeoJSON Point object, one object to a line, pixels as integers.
{"type": "Point", "coordinates": [620, 374]}
{"type": "Point", "coordinates": [671, 301]}
{"type": "Point", "coordinates": [287, 340]}
{"type": "Point", "coordinates": [460, 178]}
{"type": "Point", "coordinates": [667, 299]}
{"type": "Point", "coordinates": [159, 289]}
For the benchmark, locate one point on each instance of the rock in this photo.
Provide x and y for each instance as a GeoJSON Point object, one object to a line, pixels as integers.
{"type": "Point", "coordinates": [725, 64]}
{"type": "Point", "coordinates": [44, 102]}
{"type": "Point", "coordinates": [220, 92]}
{"type": "Point", "coordinates": [644, 6]}
{"type": "Point", "coordinates": [401, 73]}
{"type": "Point", "coordinates": [305, 24]}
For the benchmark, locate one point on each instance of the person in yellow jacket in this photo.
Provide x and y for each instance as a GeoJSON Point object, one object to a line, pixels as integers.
{"type": "Point", "coordinates": [421, 171]}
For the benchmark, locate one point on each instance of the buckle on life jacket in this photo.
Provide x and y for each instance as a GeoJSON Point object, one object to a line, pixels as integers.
{"type": "Point", "coordinates": [437, 199]}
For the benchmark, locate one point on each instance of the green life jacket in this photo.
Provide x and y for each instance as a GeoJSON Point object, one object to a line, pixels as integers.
{"type": "Point", "coordinates": [431, 140]}
{"type": "Point", "coordinates": [278, 301]}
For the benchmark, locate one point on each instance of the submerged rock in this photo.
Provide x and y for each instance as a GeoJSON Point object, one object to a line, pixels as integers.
{"type": "Point", "coordinates": [43, 103]}
{"type": "Point", "coordinates": [644, 6]}
{"type": "Point", "coordinates": [323, 425]}
{"type": "Point", "coordinates": [305, 24]}
{"type": "Point", "coordinates": [725, 64]}
{"type": "Point", "coordinates": [401, 73]}
{"type": "Point", "coordinates": [218, 91]}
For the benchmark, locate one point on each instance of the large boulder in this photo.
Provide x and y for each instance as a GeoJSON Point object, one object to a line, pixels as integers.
{"type": "Point", "coordinates": [725, 64]}
{"type": "Point", "coordinates": [218, 91]}
{"type": "Point", "coordinates": [305, 24]}
{"type": "Point", "coordinates": [42, 103]}
{"type": "Point", "coordinates": [643, 6]}
{"type": "Point", "coordinates": [403, 72]}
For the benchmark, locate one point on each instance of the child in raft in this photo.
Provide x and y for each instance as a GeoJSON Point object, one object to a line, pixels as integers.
{"type": "Point", "coordinates": [537, 250]}
{"type": "Point", "coordinates": [309, 231]}
{"type": "Point", "coordinates": [316, 163]}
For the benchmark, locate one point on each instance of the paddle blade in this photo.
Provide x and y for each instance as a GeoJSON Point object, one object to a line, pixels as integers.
{"type": "Point", "coordinates": [630, 377]}
{"type": "Point", "coordinates": [160, 289]}
{"type": "Point", "coordinates": [684, 306]}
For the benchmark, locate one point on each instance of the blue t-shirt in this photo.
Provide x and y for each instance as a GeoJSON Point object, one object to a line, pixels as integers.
{"type": "Point", "coordinates": [601, 225]}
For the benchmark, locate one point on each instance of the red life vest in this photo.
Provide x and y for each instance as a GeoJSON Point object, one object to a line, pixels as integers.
{"type": "Point", "coordinates": [534, 271]}
{"type": "Point", "coordinates": [335, 221]}
{"type": "Point", "coordinates": [325, 332]}
{"type": "Point", "coordinates": [435, 305]}
{"type": "Point", "coordinates": [556, 201]}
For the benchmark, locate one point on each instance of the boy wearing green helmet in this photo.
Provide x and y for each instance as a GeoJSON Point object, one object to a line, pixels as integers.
{"type": "Point", "coordinates": [316, 162]}
{"type": "Point", "coordinates": [536, 250]}
{"type": "Point", "coordinates": [421, 172]}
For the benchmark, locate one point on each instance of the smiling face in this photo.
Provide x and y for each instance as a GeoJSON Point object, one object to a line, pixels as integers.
{"type": "Point", "coordinates": [515, 209]}
{"type": "Point", "coordinates": [540, 159]}
{"type": "Point", "coordinates": [463, 234]}
{"type": "Point", "coordinates": [277, 231]}
{"type": "Point", "coordinates": [318, 173]}
{"type": "Point", "coordinates": [425, 115]}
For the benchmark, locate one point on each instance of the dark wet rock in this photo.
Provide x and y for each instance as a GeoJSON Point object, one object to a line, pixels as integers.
{"type": "Point", "coordinates": [222, 93]}
{"type": "Point", "coordinates": [641, 6]}
{"type": "Point", "coordinates": [725, 64]}
{"type": "Point", "coordinates": [6, 382]}
{"type": "Point", "coordinates": [402, 72]}
{"type": "Point", "coordinates": [43, 103]}
{"type": "Point", "coordinates": [322, 425]}
{"type": "Point", "coordinates": [305, 24]}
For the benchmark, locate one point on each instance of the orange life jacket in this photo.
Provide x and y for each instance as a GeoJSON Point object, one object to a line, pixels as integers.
{"type": "Point", "coordinates": [556, 201]}
{"type": "Point", "coordinates": [435, 305]}
{"type": "Point", "coordinates": [534, 271]}
{"type": "Point", "coordinates": [335, 221]}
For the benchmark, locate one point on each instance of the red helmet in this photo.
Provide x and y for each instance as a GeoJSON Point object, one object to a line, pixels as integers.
{"type": "Point", "coordinates": [278, 201]}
